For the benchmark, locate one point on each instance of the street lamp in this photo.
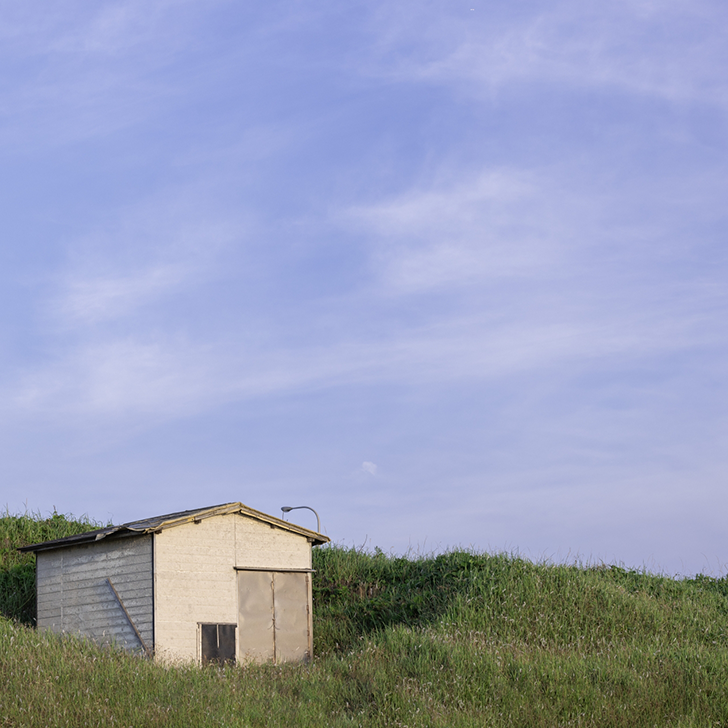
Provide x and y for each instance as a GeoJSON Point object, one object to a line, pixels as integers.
{"type": "Point", "coordinates": [288, 509]}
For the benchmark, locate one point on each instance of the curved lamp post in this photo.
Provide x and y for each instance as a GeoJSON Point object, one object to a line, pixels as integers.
{"type": "Point", "coordinates": [287, 509]}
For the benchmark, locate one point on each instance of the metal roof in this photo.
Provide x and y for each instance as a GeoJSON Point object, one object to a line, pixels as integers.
{"type": "Point", "coordinates": [159, 523]}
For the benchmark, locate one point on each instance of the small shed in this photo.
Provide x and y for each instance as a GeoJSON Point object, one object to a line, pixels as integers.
{"type": "Point", "coordinates": [224, 583]}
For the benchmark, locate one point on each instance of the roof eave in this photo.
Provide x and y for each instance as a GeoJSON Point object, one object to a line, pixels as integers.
{"type": "Point", "coordinates": [317, 539]}
{"type": "Point", "coordinates": [241, 508]}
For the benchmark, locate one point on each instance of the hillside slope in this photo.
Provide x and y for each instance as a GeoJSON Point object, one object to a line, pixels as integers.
{"type": "Point", "coordinates": [459, 639]}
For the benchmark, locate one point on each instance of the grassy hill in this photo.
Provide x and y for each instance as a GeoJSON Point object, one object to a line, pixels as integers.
{"type": "Point", "coordinates": [459, 639]}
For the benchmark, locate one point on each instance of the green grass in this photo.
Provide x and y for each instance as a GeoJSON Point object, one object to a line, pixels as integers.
{"type": "Point", "coordinates": [459, 639]}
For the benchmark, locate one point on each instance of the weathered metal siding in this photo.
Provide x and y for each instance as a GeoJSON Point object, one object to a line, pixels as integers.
{"type": "Point", "coordinates": [74, 595]}
{"type": "Point", "coordinates": [195, 577]}
{"type": "Point", "coordinates": [274, 616]}
{"type": "Point", "coordinates": [256, 628]}
{"type": "Point", "coordinates": [293, 629]}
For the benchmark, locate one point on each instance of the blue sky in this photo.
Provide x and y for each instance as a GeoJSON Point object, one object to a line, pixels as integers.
{"type": "Point", "coordinates": [452, 273]}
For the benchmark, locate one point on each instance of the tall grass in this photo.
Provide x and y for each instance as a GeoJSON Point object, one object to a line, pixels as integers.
{"type": "Point", "coordinates": [458, 639]}
{"type": "Point", "coordinates": [17, 571]}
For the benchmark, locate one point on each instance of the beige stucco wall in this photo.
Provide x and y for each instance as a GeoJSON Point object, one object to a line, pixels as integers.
{"type": "Point", "coordinates": [263, 546]}
{"type": "Point", "coordinates": [195, 578]}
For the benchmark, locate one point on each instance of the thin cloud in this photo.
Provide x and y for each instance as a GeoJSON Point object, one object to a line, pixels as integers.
{"type": "Point", "coordinates": [102, 298]}
{"type": "Point", "coordinates": [186, 370]}
{"type": "Point", "coordinates": [153, 250]}
{"type": "Point", "coordinates": [494, 224]}
{"type": "Point", "coordinates": [168, 377]}
{"type": "Point", "coordinates": [369, 468]}
{"type": "Point", "coordinates": [89, 72]}
{"type": "Point", "coordinates": [672, 50]}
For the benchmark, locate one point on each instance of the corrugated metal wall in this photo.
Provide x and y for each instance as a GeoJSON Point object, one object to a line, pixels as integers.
{"type": "Point", "coordinates": [74, 595]}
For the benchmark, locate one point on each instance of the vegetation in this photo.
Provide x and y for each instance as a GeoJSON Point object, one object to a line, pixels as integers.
{"type": "Point", "coordinates": [459, 639]}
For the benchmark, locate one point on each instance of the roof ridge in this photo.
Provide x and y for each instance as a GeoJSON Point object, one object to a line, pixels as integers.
{"type": "Point", "coordinates": [170, 520]}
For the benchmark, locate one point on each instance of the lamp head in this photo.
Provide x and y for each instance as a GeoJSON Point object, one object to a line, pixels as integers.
{"type": "Point", "coordinates": [286, 509]}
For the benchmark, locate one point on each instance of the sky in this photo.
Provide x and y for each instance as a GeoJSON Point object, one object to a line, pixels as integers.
{"type": "Point", "coordinates": [453, 273]}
